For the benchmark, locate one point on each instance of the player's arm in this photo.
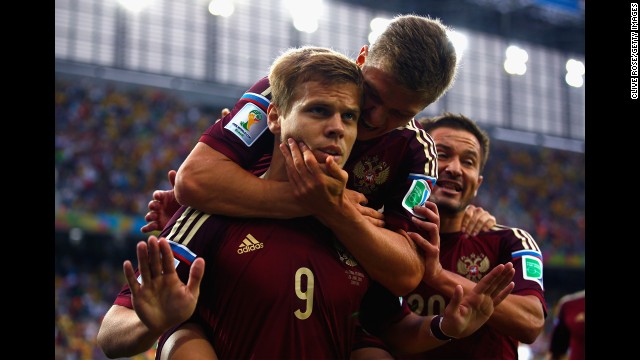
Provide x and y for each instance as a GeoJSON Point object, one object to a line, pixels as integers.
{"type": "Point", "coordinates": [519, 316]}
{"type": "Point", "coordinates": [465, 313]}
{"type": "Point", "coordinates": [123, 334]}
{"type": "Point", "coordinates": [161, 301]}
{"type": "Point", "coordinates": [187, 342]}
{"type": "Point", "coordinates": [388, 257]}
{"type": "Point", "coordinates": [211, 182]}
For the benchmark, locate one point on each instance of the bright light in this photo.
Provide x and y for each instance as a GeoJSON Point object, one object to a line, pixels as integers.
{"type": "Point", "coordinates": [517, 54]}
{"type": "Point", "coordinates": [574, 80]}
{"type": "Point", "coordinates": [575, 66]}
{"type": "Point", "coordinates": [515, 63]}
{"type": "Point", "coordinates": [307, 24]}
{"type": "Point", "coordinates": [460, 42]}
{"type": "Point", "coordinates": [223, 8]}
{"type": "Point", "coordinates": [305, 14]}
{"type": "Point", "coordinates": [135, 6]}
{"type": "Point", "coordinates": [378, 25]}
{"type": "Point", "coordinates": [575, 70]}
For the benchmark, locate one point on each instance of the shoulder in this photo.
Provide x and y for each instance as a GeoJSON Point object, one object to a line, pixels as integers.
{"type": "Point", "coordinates": [413, 131]}
{"type": "Point", "coordinates": [518, 238]}
{"type": "Point", "coordinates": [510, 231]}
{"type": "Point", "coordinates": [576, 296]}
{"type": "Point", "coordinates": [261, 87]}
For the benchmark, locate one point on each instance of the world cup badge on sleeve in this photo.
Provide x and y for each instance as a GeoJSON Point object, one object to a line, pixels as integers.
{"type": "Point", "coordinates": [248, 124]}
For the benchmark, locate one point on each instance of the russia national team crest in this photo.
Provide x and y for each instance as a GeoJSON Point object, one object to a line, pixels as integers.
{"type": "Point", "coordinates": [248, 124]}
{"type": "Point", "coordinates": [473, 267]}
{"type": "Point", "coordinates": [344, 254]}
{"type": "Point", "coordinates": [370, 173]}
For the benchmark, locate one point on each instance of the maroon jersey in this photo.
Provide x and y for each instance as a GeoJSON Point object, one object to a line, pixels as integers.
{"type": "Point", "coordinates": [568, 327]}
{"type": "Point", "coordinates": [280, 289]}
{"type": "Point", "coordinates": [472, 257]}
{"type": "Point", "coordinates": [397, 170]}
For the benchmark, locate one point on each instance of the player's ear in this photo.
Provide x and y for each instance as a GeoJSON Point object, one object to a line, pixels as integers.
{"type": "Point", "coordinates": [362, 55]}
{"type": "Point", "coordinates": [480, 178]}
{"type": "Point", "coordinates": [273, 119]}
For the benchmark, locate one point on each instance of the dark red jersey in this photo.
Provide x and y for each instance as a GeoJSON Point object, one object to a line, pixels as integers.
{"type": "Point", "coordinates": [567, 336]}
{"type": "Point", "coordinates": [473, 257]}
{"type": "Point", "coordinates": [278, 289]}
{"type": "Point", "coordinates": [397, 170]}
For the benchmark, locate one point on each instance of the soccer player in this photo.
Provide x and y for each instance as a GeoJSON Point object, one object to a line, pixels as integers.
{"type": "Point", "coordinates": [463, 150]}
{"type": "Point", "coordinates": [567, 335]}
{"type": "Point", "coordinates": [392, 165]}
{"type": "Point", "coordinates": [275, 288]}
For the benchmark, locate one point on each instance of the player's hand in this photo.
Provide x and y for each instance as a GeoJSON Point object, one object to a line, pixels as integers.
{"type": "Point", "coordinates": [360, 201]}
{"type": "Point", "coordinates": [314, 188]}
{"type": "Point", "coordinates": [430, 246]}
{"type": "Point", "coordinates": [162, 300]}
{"type": "Point", "coordinates": [476, 219]}
{"type": "Point", "coordinates": [466, 313]}
{"type": "Point", "coordinates": [161, 207]}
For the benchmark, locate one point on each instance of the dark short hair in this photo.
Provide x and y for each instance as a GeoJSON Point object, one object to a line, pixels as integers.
{"type": "Point", "coordinates": [459, 121]}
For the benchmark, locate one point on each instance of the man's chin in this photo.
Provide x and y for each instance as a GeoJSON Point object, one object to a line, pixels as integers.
{"type": "Point", "coordinates": [448, 207]}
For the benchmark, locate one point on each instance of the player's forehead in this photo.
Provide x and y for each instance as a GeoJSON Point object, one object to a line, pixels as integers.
{"type": "Point", "coordinates": [455, 139]}
{"type": "Point", "coordinates": [386, 89]}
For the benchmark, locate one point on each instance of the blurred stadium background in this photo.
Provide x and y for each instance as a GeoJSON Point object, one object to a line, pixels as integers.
{"type": "Point", "coordinates": [135, 87]}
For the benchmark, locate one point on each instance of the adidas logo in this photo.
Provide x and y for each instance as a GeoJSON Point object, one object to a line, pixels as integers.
{"type": "Point", "coordinates": [249, 244]}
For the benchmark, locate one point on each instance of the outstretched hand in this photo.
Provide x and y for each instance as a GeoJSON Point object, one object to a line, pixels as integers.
{"type": "Point", "coordinates": [162, 300]}
{"type": "Point", "coordinates": [466, 313]}
{"type": "Point", "coordinates": [161, 207]}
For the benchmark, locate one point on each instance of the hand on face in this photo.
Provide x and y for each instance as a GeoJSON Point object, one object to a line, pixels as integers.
{"type": "Point", "coordinates": [317, 188]}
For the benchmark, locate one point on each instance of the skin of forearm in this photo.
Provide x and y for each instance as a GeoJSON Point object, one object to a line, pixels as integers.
{"type": "Point", "coordinates": [122, 334]}
{"type": "Point", "coordinates": [411, 335]}
{"type": "Point", "coordinates": [521, 317]}
{"type": "Point", "coordinates": [388, 257]}
{"type": "Point", "coordinates": [203, 182]}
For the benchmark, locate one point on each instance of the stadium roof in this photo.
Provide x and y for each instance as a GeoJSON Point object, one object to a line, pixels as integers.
{"type": "Point", "coordinates": [557, 24]}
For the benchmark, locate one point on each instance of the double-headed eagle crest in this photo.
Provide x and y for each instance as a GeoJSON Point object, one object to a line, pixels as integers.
{"type": "Point", "coordinates": [473, 267]}
{"type": "Point", "coordinates": [369, 173]}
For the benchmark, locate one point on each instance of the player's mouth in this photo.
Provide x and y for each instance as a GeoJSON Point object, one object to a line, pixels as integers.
{"type": "Point", "coordinates": [323, 153]}
{"type": "Point", "coordinates": [449, 186]}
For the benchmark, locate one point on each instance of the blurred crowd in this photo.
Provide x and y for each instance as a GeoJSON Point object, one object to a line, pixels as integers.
{"type": "Point", "coordinates": [114, 146]}
{"type": "Point", "coordinates": [82, 297]}
{"type": "Point", "coordinates": [540, 190]}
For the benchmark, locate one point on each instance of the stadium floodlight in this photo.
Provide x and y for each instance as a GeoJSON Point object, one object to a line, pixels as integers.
{"type": "Point", "coordinates": [305, 14]}
{"type": "Point", "coordinates": [575, 70]}
{"type": "Point", "coordinates": [515, 62]}
{"type": "Point", "coordinates": [459, 40]}
{"type": "Point", "coordinates": [224, 8]}
{"type": "Point", "coordinates": [377, 25]}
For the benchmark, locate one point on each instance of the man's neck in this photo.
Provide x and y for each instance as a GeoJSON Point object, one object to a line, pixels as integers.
{"type": "Point", "coordinates": [277, 170]}
{"type": "Point", "coordinates": [451, 222]}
